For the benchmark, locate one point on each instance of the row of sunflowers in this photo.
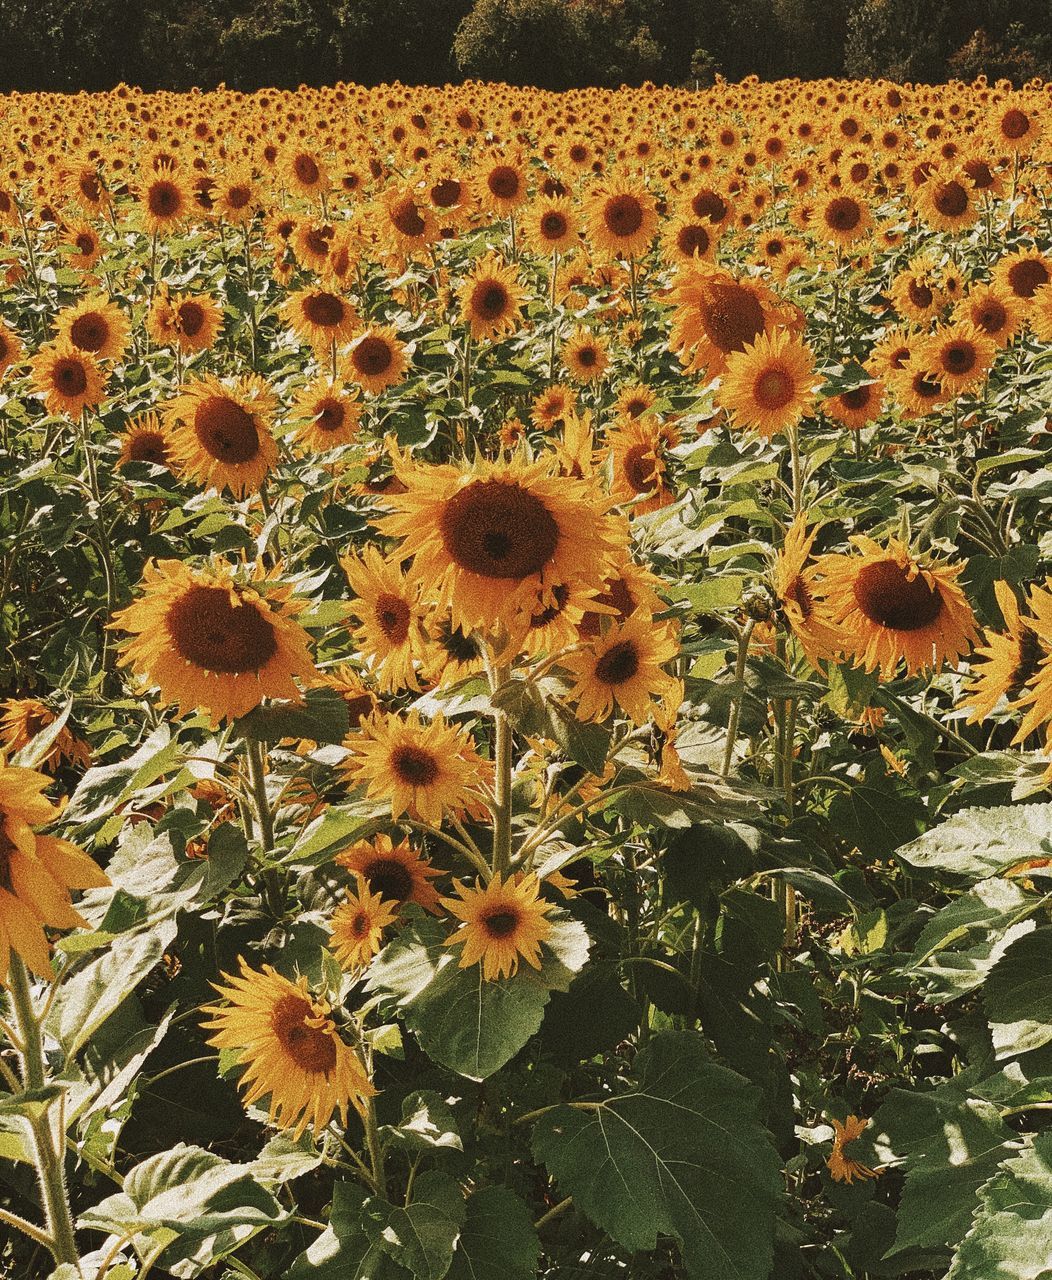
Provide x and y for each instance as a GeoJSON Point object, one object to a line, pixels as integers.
{"type": "Point", "coordinates": [527, 683]}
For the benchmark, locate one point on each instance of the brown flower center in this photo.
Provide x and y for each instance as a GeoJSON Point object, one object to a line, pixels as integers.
{"type": "Point", "coordinates": [618, 664]}
{"type": "Point", "coordinates": [389, 878]}
{"type": "Point", "coordinates": [959, 357]}
{"type": "Point", "coordinates": [623, 215]}
{"type": "Point", "coordinates": [85, 244]}
{"type": "Point", "coordinates": [709, 204]}
{"type": "Point", "coordinates": [640, 468]}
{"type": "Point", "coordinates": [490, 300]}
{"type": "Point", "coordinates": [1030, 655]}
{"type": "Point", "coordinates": [372, 356]}
{"type": "Point", "coordinates": [553, 225]}
{"type": "Point", "coordinates": [191, 318]}
{"type": "Point", "coordinates": [991, 317]}
{"type": "Point", "coordinates": [406, 218]}
{"type": "Point", "coordinates": [239, 196]}
{"type": "Point", "coordinates": [323, 309]}
{"type": "Point", "coordinates": [843, 214]}
{"type": "Point", "coordinates": [392, 614]}
{"type": "Point", "coordinates": [920, 295]}
{"type": "Point", "coordinates": [951, 199]}
{"type": "Point", "coordinates": [498, 530]}
{"type": "Point", "coordinates": [501, 924]}
{"type": "Point", "coordinates": [70, 377]}
{"type": "Point", "coordinates": [1027, 276]}
{"type": "Point", "coordinates": [164, 199]}
{"type": "Point", "coordinates": [217, 635]}
{"type": "Point", "coordinates": [306, 170]}
{"type": "Point", "coordinates": [329, 414]}
{"type": "Point", "coordinates": [857, 397]}
{"type": "Point", "coordinates": [692, 239]}
{"type": "Point", "coordinates": [503, 182]}
{"type": "Point", "coordinates": [414, 766]}
{"type": "Point", "coordinates": [446, 193]}
{"type": "Point", "coordinates": [225, 430]}
{"type": "Point", "coordinates": [148, 446]}
{"type": "Point", "coordinates": [773, 389]}
{"type": "Point", "coordinates": [312, 1049]}
{"type": "Point", "coordinates": [888, 597]}
{"type": "Point", "coordinates": [1014, 124]}
{"type": "Point", "coordinates": [732, 316]}
{"type": "Point", "coordinates": [89, 331]}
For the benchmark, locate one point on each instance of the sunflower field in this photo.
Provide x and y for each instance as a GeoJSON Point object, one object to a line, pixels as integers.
{"type": "Point", "coordinates": [526, 683]}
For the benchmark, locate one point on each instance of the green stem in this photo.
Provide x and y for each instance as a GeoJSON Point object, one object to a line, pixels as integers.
{"type": "Point", "coordinates": [736, 704]}
{"type": "Point", "coordinates": [554, 1212]}
{"type": "Point", "coordinates": [257, 778]}
{"type": "Point", "coordinates": [376, 1151]}
{"type": "Point", "coordinates": [501, 783]}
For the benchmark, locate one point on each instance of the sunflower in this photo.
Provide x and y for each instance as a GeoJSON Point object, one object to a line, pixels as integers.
{"type": "Point", "coordinates": [491, 299]}
{"type": "Point", "coordinates": [69, 380]}
{"type": "Point", "coordinates": [235, 197]}
{"type": "Point", "coordinates": [391, 635]}
{"type": "Point", "coordinates": [1010, 659]}
{"type": "Point", "coordinates": [638, 449]}
{"type": "Point", "coordinates": [86, 244]}
{"type": "Point", "coordinates": [503, 185]}
{"type": "Point", "coordinates": [377, 360]}
{"type": "Point", "coordinates": [11, 348]}
{"type": "Point", "coordinates": [716, 315]}
{"type": "Point", "coordinates": [552, 405]}
{"type": "Point", "coordinates": [959, 355]}
{"type": "Point", "coordinates": [210, 643]}
{"type": "Point", "coordinates": [585, 356]}
{"type": "Point", "coordinates": [891, 609]}
{"type": "Point", "coordinates": [195, 322]}
{"type": "Point", "coordinates": [312, 243]}
{"type": "Point", "coordinates": [453, 654]}
{"type": "Point", "coordinates": [1040, 316]}
{"type": "Point", "coordinates": [287, 1041]}
{"type": "Point", "coordinates": [328, 415]}
{"type": "Point", "coordinates": [358, 698]}
{"type": "Point", "coordinates": [1022, 273]}
{"type": "Point", "coordinates": [622, 220]}
{"type": "Point", "coordinates": [793, 586]}
{"type": "Point", "coordinates": [305, 172]}
{"type": "Point", "coordinates": [1017, 126]}
{"type": "Point", "coordinates": [407, 222]}
{"type": "Point", "coordinates": [221, 433]}
{"type": "Point", "coordinates": [842, 1167]}
{"type": "Point", "coordinates": [493, 537]}
{"type": "Point", "coordinates": [856, 407]}
{"type": "Point", "coordinates": [630, 589]}
{"type": "Point", "coordinates": [842, 219]}
{"type": "Point", "coordinates": [624, 666]}
{"type": "Point", "coordinates": [687, 239]}
{"type": "Point", "coordinates": [425, 770]}
{"type": "Point", "coordinates": [165, 201]}
{"type": "Point", "coordinates": [357, 927]}
{"type": "Point", "coordinates": [145, 439]}
{"type": "Point", "coordinates": [948, 203]}
{"type": "Point", "coordinates": [994, 311]}
{"type": "Point", "coordinates": [915, 294]}
{"type": "Point", "coordinates": [96, 326]}
{"type": "Point", "coordinates": [500, 922]}
{"type": "Point", "coordinates": [394, 872]}
{"type": "Point", "coordinates": [36, 872]}
{"type": "Point", "coordinates": [770, 384]}
{"type": "Point", "coordinates": [550, 226]}
{"type": "Point", "coordinates": [320, 317]}
{"type": "Point", "coordinates": [554, 622]}
{"type": "Point", "coordinates": [634, 400]}
{"type": "Point", "coordinates": [917, 387]}
{"type": "Point", "coordinates": [21, 719]}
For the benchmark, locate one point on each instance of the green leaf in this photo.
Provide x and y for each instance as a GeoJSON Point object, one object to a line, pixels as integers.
{"type": "Point", "coordinates": [422, 1235]}
{"type": "Point", "coordinates": [498, 1241]}
{"type": "Point", "coordinates": [427, 1123]}
{"type": "Point", "coordinates": [282, 1159]}
{"type": "Point", "coordinates": [951, 1146]}
{"type": "Point", "coordinates": [464, 1023]}
{"type": "Point", "coordinates": [683, 1154]}
{"type": "Point", "coordinates": [877, 815]}
{"type": "Point", "coordinates": [103, 789]}
{"type": "Point", "coordinates": [977, 843]}
{"type": "Point", "coordinates": [321, 717]}
{"type": "Point", "coordinates": [35, 751]}
{"type": "Point", "coordinates": [338, 827]}
{"type": "Point", "coordinates": [1011, 1235]}
{"type": "Point", "coordinates": [1018, 995]}
{"type": "Point", "coordinates": [344, 1251]}
{"type": "Point", "coordinates": [32, 1103]}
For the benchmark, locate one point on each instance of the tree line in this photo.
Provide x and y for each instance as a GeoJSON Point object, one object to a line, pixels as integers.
{"type": "Point", "coordinates": [69, 45]}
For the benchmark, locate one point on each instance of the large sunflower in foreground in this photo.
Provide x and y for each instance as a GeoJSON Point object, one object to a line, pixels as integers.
{"type": "Point", "coordinates": [770, 384]}
{"type": "Point", "coordinates": [396, 872]}
{"type": "Point", "coordinates": [793, 584]}
{"type": "Point", "coordinates": [1010, 659]}
{"type": "Point", "coordinates": [891, 609]}
{"type": "Point", "coordinates": [287, 1040]}
{"type": "Point", "coordinates": [492, 537]}
{"type": "Point", "coordinates": [211, 643]}
{"type": "Point", "coordinates": [501, 922]}
{"type": "Point", "coordinates": [623, 666]}
{"type": "Point", "coordinates": [221, 433]}
{"type": "Point", "coordinates": [36, 872]}
{"type": "Point", "coordinates": [424, 769]}
{"type": "Point", "coordinates": [388, 604]}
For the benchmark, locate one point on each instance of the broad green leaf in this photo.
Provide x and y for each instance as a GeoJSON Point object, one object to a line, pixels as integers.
{"type": "Point", "coordinates": [977, 843]}
{"type": "Point", "coordinates": [877, 815]}
{"type": "Point", "coordinates": [321, 717]}
{"type": "Point", "coordinates": [32, 1103]}
{"type": "Point", "coordinates": [498, 1240]}
{"type": "Point", "coordinates": [422, 1235]}
{"type": "Point", "coordinates": [427, 1123]}
{"type": "Point", "coordinates": [102, 789]}
{"type": "Point", "coordinates": [1018, 995]}
{"type": "Point", "coordinates": [951, 1145]}
{"type": "Point", "coordinates": [682, 1154]}
{"type": "Point", "coordinates": [282, 1160]}
{"type": "Point", "coordinates": [344, 1251]}
{"type": "Point", "coordinates": [1011, 1235]}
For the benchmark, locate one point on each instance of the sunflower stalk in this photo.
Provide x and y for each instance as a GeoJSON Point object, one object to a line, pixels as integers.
{"type": "Point", "coordinates": [501, 782]}
{"type": "Point", "coordinates": [48, 1156]}
{"type": "Point", "coordinates": [736, 703]}
{"type": "Point", "coordinates": [273, 880]}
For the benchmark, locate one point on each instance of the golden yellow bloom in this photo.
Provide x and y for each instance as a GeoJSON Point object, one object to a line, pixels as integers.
{"type": "Point", "coordinates": [388, 604]}
{"type": "Point", "coordinates": [11, 348]}
{"type": "Point", "coordinates": [377, 360]}
{"type": "Point", "coordinates": [395, 872]}
{"type": "Point", "coordinates": [221, 433]}
{"type": "Point", "coordinates": [585, 356]}
{"type": "Point", "coordinates": [491, 299]}
{"type": "Point", "coordinates": [36, 872]}
{"type": "Point", "coordinates": [959, 355]}
{"type": "Point", "coordinates": [716, 315]}
{"type": "Point", "coordinates": [164, 200]}
{"type": "Point", "coordinates": [1010, 659]}
{"type": "Point", "coordinates": [638, 448]}
{"type": "Point", "coordinates": [328, 415]}
{"type": "Point", "coordinates": [770, 384]}
{"type": "Point", "coordinates": [794, 586]}
{"type": "Point", "coordinates": [623, 666]}
{"type": "Point", "coordinates": [287, 1041]}
{"type": "Point", "coordinates": [95, 325]}
{"type": "Point", "coordinates": [550, 226]}
{"type": "Point", "coordinates": [21, 719]}
{"type": "Point", "coordinates": [501, 922]}
{"type": "Point", "coordinates": [358, 924]}
{"type": "Point", "coordinates": [856, 407]}
{"type": "Point", "coordinates": [842, 1167]}
{"type": "Point", "coordinates": [210, 643]}
{"type": "Point", "coordinates": [145, 439]}
{"type": "Point", "coordinates": [320, 317]}
{"type": "Point", "coordinates": [69, 380]}
{"type": "Point", "coordinates": [622, 220]}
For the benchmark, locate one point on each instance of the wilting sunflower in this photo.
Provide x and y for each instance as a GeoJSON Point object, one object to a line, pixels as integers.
{"type": "Point", "coordinates": [287, 1041]}
{"type": "Point", "coordinates": [794, 586]}
{"type": "Point", "coordinates": [165, 201]}
{"type": "Point", "coordinates": [716, 315]}
{"type": "Point", "coordinates": [622, 220]}
{"type": "Point", "coordinates": [21, 719]}
{"type": "Point", "coordinates": [501, 922]}
{"type": "Point", "coordinates": [1010, 659]}
{"type": "Point", "coordinates": [842, 1167]}
{"type": "Point", "coordinates": [11, 348]}
{"type": "Point", "coordinates": [377, 360]}
{"type": "Point", "coordinates": [395, 872]}
{"type": "Point", "coordinates": [770, 384]}
{"type": "Point", "coordinates": [891, 609]}
{"type": "Point", "coordinates": [36, 872]}
{"type": "Point", "coordinates": [491, 538]}
{"type": "Point", "coordinates": [491, 299]}
{"type": "Point", "coordinates": [585, 356]}
{"type": "Point", "coordinates": [145, 439]}
{"type": "Point", "coordinates": [358, 925]}
{"type": "Point", "coordinates": [95, 325]}
{"type": "Point", "coordinates": [320, 317]}
{"type": "Point", "coordinates": [328, 415]}
{"type": "Point", "coordinates": [959, 355]}
{"type": "Point", "coordinates": [69, 380]}
{"type": "Point", "coordinates": [624, 666]}
{"type": "Point", "coordinates": [221, 433]}
{"type": "Point", "coordinates": [211, 643]}
{"type": "Point", "coordinates": [638, 449]}
{"type": "Point", "coordinates": [453, 654]}
{"type": "Point", "coordinates": [388, 605]}
{"type": "Point", "coordinates": [425, 770]}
